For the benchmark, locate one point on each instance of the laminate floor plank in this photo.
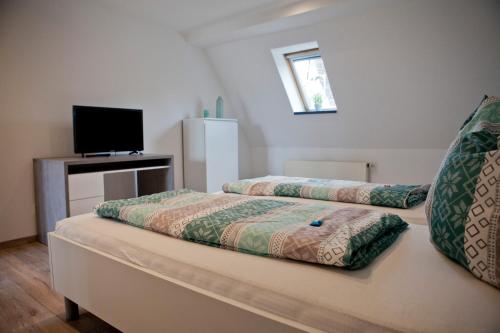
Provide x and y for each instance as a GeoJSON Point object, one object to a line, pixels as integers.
{"type": "Point", "coordinates": [18, 311]}
{"type": "Point", "coordinates": [27, 302]}
{"type": "Point", "coordinates": [35, 287]}
{"type": "Point", "coordinates": [30, 258]}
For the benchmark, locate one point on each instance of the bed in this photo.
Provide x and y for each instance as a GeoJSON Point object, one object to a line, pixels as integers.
{"type": "Point", "coordinates": [140, 281]}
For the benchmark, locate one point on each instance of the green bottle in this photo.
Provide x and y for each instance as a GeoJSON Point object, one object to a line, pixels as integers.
{"type": "Point", "coordinates": [219, 109]}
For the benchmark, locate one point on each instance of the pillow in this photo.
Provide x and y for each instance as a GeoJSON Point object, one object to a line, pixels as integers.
{"type": "Point", "coordinates": [463, 204]}
{"type": "Point", "coordinates": [473, 112]}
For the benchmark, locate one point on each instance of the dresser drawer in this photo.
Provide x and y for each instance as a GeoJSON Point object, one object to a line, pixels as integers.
{"type": "Point", "coordinates": [85, 185]}
{"type": "Point", "coordinates": [84, 206]}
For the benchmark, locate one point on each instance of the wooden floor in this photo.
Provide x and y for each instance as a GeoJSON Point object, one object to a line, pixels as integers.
{"type": "Point", "coordinates": [27, 303]}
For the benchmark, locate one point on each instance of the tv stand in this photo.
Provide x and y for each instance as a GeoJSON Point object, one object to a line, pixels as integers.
{"type": "Point", "coordinates": [73, 185]}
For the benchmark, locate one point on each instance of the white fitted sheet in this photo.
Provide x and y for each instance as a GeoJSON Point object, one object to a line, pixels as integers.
{"type": "Point", "coordinates": [410, 287]}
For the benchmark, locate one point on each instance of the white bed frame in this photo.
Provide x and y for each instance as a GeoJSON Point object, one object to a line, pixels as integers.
{"type": "Point", "coordinates": [134, 299]}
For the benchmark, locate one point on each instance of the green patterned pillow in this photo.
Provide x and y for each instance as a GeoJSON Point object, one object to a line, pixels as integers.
{"type": "Point", "coordinates": [469, 118]}
{"type": "Point", "coordinates": [463, 205]}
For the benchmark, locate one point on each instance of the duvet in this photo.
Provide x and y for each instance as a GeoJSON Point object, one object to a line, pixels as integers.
{"type": "Point", "coordinates": [315, 233]}
{"type": "Point", "coordinates": [397, 196]}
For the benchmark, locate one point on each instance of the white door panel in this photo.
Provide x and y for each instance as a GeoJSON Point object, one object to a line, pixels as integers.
{"type": "Point", "coordinates": [221, 146]}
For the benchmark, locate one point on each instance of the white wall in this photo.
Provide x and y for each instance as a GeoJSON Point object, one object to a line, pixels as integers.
{"type": "Point", "coordinates": [404, 76]}
{"type": "Point", "coordinates": [56, 53]}
{"type": "Point", "coordinates": [416, 166]}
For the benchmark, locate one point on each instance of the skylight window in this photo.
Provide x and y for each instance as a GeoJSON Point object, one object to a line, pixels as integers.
{"type": "Point", "coordinates": [311, 79]}
{"type": "Point", "coordinates": [304, 77]}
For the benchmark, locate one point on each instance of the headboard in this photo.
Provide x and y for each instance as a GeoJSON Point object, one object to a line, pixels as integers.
{"type": "Point", "coordinates": [359, 171]}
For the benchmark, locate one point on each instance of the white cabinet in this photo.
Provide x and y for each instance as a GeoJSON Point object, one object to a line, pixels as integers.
{"type": "Point", "coordinates": [210, 153]}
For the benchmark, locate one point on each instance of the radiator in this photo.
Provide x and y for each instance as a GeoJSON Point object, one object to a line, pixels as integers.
{"type": "Point", "coordinates": [359, 171]}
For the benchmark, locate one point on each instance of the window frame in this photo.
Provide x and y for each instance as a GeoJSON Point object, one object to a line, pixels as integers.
{"type": "Point", "coordinates": [287, 77]}
{"type": "Point", "coordinates": [290, 57]}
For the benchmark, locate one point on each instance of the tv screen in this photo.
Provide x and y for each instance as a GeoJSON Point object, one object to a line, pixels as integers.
{"type": "Point", "coordinates": [99, 129]}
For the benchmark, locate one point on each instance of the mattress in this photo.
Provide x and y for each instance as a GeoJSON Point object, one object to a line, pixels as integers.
{"type": "Point", "coordinates": [414, 215]}
{"type": "Point", "coordinates": [410, 287]}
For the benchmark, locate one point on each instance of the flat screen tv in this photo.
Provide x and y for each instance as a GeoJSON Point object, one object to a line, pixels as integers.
{"type": "Point", "coordinates": [101, 130]}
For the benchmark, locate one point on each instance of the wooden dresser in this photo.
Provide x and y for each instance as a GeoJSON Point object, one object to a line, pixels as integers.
{"type": "Point", "coordinates": [72, 186]}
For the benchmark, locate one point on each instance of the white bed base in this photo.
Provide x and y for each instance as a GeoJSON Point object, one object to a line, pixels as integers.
{"type": "Point", "coordinates": [134, 299]}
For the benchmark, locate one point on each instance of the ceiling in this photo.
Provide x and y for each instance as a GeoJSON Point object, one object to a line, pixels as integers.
{"type": "Point", "coordinates": [187, 14]}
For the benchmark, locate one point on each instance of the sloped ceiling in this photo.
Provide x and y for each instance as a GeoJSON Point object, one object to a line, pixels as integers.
{"type": "Point", "coordinates": [403, 76]}
{"type": "Point", "coordinates": [182, 15]}
{"type": "Point", "coordinates": [404, 73]}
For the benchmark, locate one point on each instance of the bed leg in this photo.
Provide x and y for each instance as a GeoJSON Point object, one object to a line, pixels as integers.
{"type": "Point", "coordinates": [71, 310]}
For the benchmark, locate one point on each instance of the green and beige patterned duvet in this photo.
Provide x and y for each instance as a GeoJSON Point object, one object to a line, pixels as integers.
{"type": "Point", "coordinates": [397, 196]}
{"type": "Point", "coordinates": [345, 237]}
